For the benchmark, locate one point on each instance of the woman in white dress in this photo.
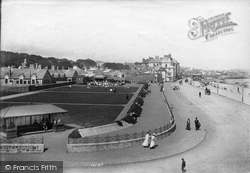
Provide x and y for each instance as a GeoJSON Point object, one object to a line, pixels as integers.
{"type": "Point", "coordinates": [146, 141]}
{"type": "Point", "coordinates": [152, 142]}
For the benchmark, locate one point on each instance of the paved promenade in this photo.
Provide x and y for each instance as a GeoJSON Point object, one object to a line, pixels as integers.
{"type": "Point", "coordinates": [153, 116]}
{"type": "Point", "coordinates": [225, 148]}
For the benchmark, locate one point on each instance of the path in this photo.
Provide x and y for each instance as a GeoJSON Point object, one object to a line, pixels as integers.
{"type": "Point", "coordinates": [181, 140]}
{"type": "Point", "coordinates": [224, 149]}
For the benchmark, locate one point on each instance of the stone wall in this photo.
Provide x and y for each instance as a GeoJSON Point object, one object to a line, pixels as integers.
{"type": "Point", "coordinates": [91, 147]}
{"type": "Point", "coordinates": [21, 148]}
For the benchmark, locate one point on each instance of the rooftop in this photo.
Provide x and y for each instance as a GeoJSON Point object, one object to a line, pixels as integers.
{"type": "Point", "coordinates": [29, 110]}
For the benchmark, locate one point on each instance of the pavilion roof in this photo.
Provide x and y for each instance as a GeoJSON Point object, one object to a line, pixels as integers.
{"type": "Point", "coordinates": [29, 110]}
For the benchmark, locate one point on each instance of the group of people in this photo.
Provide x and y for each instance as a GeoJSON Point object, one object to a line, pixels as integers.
{"type": "Point", "coordinates": [196, 122]}
{"type": "Point", "coordinates": [149, 141]}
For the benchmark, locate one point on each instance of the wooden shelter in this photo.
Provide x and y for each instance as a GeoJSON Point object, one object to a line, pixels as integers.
{"type": "Point", "coordinates": [16, 120]}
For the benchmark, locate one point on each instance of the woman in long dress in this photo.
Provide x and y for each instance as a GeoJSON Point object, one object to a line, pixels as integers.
{"type": "Point", "coordinates": [152, 142]}
{"type": "Point", "coordinates": [146, 141]}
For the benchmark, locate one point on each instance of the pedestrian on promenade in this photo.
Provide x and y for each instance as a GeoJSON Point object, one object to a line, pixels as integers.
{"type": "Point", "coordinates": [152, 142]}
{"type": "Point", "coordinates": [146, 141]}
{"type": "Point", "coordinates": [197, 124]}
{"type": "Point", "coordinates": [188, 124]}
{"type": "Point", "coordinates": [200, 94]}
{"type": "Point", "coordinates": [183, 165]}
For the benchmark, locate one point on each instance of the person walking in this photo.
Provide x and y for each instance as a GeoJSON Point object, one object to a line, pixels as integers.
{"type": "Point", "coordinates": [197, 124]}
{"type": "Point", "coordinates": [146, 141]}
{"type": "Point", "coordinates": [188, 124]}
{"type": "Point", "coordinates": [183, 165]}
{"type": "Point", "coordinates": [152, 142]}
{"type": "Point", "coordinates": [200, 94]}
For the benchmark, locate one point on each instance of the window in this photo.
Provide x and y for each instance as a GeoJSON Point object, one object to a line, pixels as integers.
{"type": "Point", "coordinates": [29, 82]}
{"type": "Point", "coordinates": [6, 81]}
{"type": "Point", "coordinates": [21, 81]}
{"type": "Point", "coordinates": [25, 82]}
{"type": "Point", "coordinates": [17, 82]}
{"type": "Point", "coordinates": [33, 81]}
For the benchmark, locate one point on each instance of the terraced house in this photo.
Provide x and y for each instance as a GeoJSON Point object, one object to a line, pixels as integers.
{"type": "Point", "coordinates": [25, 76]}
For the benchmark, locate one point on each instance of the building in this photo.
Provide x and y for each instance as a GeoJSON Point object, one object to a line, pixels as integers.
{"type": "Point", "coordinates": [57, 74]}
{"type": "Point", "coordinates": [166, 65]}
{"type": "Point", "coordinates": [70, 75]}
{"type": "Point", "coordinates": [24, 77]}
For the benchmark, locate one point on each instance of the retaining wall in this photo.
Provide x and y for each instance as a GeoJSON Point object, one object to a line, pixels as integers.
{"type": "Point", "coordinates": [91, 147]}
{"type": "Point", "coordinates": [21, 148]}
{"type": "Point", "coordinates": [22, 145]}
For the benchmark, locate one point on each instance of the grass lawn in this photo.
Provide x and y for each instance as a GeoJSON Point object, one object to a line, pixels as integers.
{"type": "Point", "coordinates": [65, 97]}
{"type": "Point", "coordinates": [82, 88]}
{"type": "Point", "coordinates": [94, 115]}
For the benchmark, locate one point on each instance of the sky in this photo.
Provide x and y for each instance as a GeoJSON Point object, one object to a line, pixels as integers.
{"type": "Point", "coordinates": [126, 31]}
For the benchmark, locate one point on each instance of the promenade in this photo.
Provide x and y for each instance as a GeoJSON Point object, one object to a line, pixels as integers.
{"type": "Point", "coordinates": [154, 115]}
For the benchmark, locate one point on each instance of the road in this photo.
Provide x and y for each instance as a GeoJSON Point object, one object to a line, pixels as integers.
{"type": "Point", "coordinates": [226, 147]}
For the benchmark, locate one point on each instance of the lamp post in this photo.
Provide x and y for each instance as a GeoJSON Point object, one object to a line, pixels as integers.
{"type": "Point", "coordinates": [242, 95]}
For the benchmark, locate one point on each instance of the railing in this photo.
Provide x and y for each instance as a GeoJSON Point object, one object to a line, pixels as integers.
{"type": "Point", "coordinates": [170, 108]}
{"type": "Point", "coordinates": [14, 90]}
{"type": "Point", "coordinates": [117, 138]}
{"type": "Point", "coordinates": [31, 140]}
{"type": "Point", "coordinates": [235, 92]}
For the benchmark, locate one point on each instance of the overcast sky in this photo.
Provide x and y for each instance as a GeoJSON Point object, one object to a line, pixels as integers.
{"type": "Point", "coordinates": [125, 31]}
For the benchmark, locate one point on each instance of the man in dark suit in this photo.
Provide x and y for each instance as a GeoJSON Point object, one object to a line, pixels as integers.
{"type": "Point", "coordinates": [183, 165]}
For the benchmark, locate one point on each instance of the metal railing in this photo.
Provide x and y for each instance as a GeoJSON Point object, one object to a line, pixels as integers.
{"type": "Point", "coordinates": [117, 138]}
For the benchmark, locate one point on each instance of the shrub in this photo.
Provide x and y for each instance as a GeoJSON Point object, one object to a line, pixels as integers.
{"type": "Point", "coordinates": [75, 134]}
{"type": "Point", "coordinates": [129, 119]}
{"type": "Point", "coordinates": [139, 101]}
{"type": "Point", "coordinates": [119, 123]}
{"type": "Point", "coordinates": [142, 94]}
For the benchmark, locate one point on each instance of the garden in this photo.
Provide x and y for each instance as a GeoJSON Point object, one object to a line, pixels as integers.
{"type": "Point", "coordinates": [86, 107]}
{"type": "Point", "coordinates": [72, 97]}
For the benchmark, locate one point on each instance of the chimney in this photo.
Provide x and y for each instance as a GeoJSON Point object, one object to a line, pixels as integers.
{"type": "Point", "coordinates": [57, 68]}
{"type": "Point", "coordinates": [22, 65]}
{"type": "Point", "coordinates": [36, 65]}
{"type": "Point", "coordinates": [31, 66]}
{"type": "Point", "coordinates": [68, 68]}
{"type": "Point", "coordinates": [53, 67]}
{"type": "Point", "coordinates": [62, 67]}
{"type": "Point", "coordinates": [46, 67]}
{"type": "Point", "coordinates": [39, 66]}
